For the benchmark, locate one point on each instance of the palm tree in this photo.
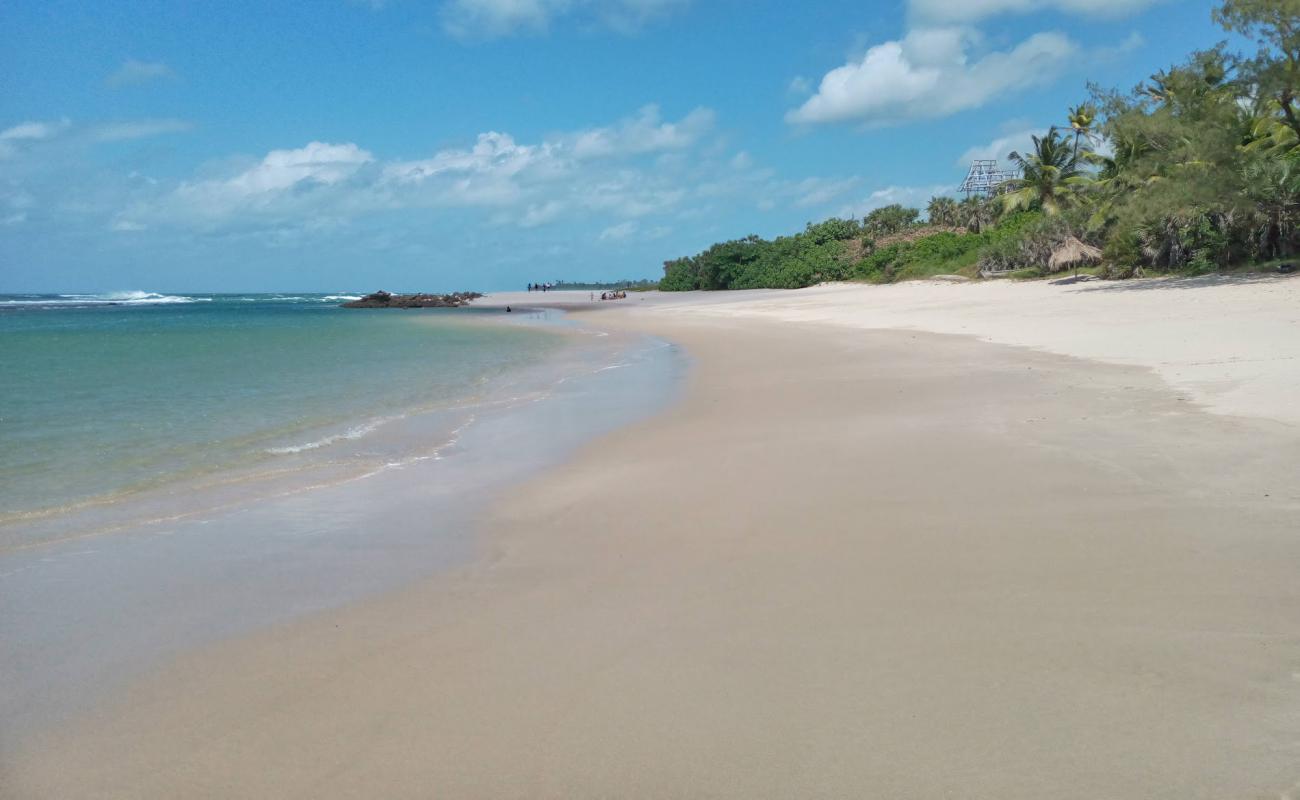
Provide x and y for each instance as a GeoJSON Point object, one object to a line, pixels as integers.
{"type": "Point", "coordinates": [942, 211]}
{"type": "Point", "coordinates": [1273, 186]}
{"type": "Point", "coordinates": [1160, 88]}
{"type": "Point", "coordinates": [1048, 175]}
{"type": "Point", "coordinates": [974, 213]}
{"type": "Point", "coordinates": [1081, 119]}
{"type": "Point", "coordinates": [1270, 134]}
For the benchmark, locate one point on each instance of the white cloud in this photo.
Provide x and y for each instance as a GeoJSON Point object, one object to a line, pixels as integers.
{"type": "Point", "coordinates": [914, 196]}
{"type": "Point", "coordinates": [541, 213]}
{"type": "Point", "coordinates": [138, 129]}
{"type": "Point", "coordinates": [481, 175]}
{"type": "Point", "coordinates": [939, 66]}
{"type": "Point", "coordinates": [619, 232]}
{"type": "Point", "coordinates": [494, 18]}
{"type": "Point", "coordinates": [25, 134]}
{"type": "Point", "coordinates": [135, 73]}
{"type": "Point", "coordinates": [950, 11]}
{"type": "Point", "coordinates": [318, 162]}
{"type": "Point", "coordinates": [820, 191]}
{"type": "Point", "coordinates": [284, 185]}
{"type": "Point", "coordinates": [14, 219]}
{"type": "Point", "coordinates": [498, 171]}
{"type": "Point", "coordinates": [608, 171]}
{"type": "Point", "coordinates": [12, 139]}
{"type": "Point", "coordinates": [930, 74]}
{"type": "Point", "coordinates": [643, 133]}
{"type": "Point", "coordinates": [28, 131]}
{"type": "Point", "coordinates": [1001, 147]}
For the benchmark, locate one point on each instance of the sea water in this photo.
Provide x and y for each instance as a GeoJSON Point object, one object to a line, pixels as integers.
{"type": "Point", "coordinates": [179, 469]}
{"type": "Point", "coordinates": [105, 398]}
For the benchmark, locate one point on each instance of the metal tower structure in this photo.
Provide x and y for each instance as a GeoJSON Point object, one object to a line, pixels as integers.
{"type": "Point", "coordinates": [985, 178]}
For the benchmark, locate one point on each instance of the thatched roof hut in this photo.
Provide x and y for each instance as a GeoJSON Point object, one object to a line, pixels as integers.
{"type": "Point", "coordinates": [1073, 253]}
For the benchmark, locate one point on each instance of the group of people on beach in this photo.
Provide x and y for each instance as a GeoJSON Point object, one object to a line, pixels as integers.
{"type": "Point", "coordinates": [546, 287]}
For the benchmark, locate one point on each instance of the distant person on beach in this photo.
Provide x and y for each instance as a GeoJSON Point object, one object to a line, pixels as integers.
{"type": "Point", "coordinates": [507, 309]}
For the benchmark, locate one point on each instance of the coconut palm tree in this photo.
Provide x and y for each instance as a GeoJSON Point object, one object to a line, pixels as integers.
{"type": "Point", "coordinates": [975, 213]}
{"type": "Point", "coordinates": [1160, 88]}
{"type": "Point", "coordinates": [1048, 176]}
{"type": "Point", "coordinates": [1081, 119]}
{"type": "Point", "coordinates": [1270, 134]}
{"type": "Point", "coordinates": [942, 211]}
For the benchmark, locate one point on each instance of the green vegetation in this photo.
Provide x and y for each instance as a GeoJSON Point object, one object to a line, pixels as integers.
{"type": "Point", "coordinates": [1195, 170]}
{"type": "Point", "coordinates": [787, 262]}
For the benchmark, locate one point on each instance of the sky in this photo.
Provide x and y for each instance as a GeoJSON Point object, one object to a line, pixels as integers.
{"type": "Point", "coordinates": [438, 145]}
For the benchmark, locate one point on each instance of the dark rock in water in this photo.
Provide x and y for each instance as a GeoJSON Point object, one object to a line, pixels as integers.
{"type": "Point", "coordinates": [382, 299]}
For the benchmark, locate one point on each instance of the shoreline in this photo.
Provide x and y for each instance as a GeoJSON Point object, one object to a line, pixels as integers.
{"type": "Point", "coordinates": [94, 611]}
{"type": "Point", "coordinates": [318, 455]}
{"type": "Point", "coordinates": [1229, 343]}
{"type": "Point", "coordinates": [846, 562]}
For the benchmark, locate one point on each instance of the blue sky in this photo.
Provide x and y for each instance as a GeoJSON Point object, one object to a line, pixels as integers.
{"type": "Point", "coordinates": [481, 144]}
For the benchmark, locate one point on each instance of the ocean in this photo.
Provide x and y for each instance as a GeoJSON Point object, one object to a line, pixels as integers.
{"type": "Point", "coordinates": [180, 468]}
{"type": "Point", "coordinates": [111, 397]}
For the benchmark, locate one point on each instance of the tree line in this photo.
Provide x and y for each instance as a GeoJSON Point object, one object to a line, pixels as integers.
{"type": "Point", "coordinates": [1195, 170]}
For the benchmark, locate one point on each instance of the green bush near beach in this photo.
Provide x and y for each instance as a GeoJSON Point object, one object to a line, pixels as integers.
{"type": "Point", "coordinates": [1195, 170]}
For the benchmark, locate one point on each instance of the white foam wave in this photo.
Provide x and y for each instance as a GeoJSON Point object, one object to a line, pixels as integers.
{"type": "Point", "coordinates": [340, 298]}
{"type": "Point", "coordinates": [355, 432]}
{"type": "Point", "coordinates": [108, 298]}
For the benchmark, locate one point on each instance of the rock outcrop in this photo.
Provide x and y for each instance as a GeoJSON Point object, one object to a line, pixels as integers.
{"type": "Point", "coordinates": [382, 299]}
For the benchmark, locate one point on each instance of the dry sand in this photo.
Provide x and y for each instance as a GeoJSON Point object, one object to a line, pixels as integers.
{"type": "Point", "coordinates": [848, 563]}
{"type": "Point", "coordinates": [1229, 343]}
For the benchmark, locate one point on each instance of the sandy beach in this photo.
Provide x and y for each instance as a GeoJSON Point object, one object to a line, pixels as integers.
{"type": "Point", "coordinates": [927, 540]}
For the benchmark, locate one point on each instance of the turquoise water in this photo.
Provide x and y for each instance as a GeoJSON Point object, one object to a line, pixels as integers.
{"type": "Point", "coordinates": [104, 397]}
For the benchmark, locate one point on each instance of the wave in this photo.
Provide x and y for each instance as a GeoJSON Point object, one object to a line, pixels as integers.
{"type": "Point", "coordinates": [108, 298]}
{"type": "Point", "coordinates": [351, 433]}
{"type": "Point", "coordinates": [340, 298]}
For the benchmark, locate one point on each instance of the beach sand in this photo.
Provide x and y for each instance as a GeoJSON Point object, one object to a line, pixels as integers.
{"type": "Point", "coordinates": [850, 562]}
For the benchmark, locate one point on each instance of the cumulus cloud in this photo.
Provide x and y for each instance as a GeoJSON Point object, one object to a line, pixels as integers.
{"type": "Point", "coordinates": [941, 67]}
{"type": "Point", "coordinates": [135, 73]}
{"type": "Point", "coordinates": [928, 74]}
{"type": "Point", "coordinates": [495, 18]}
{"type": "Point", "coordinates": [948, 11]}
{"type": "Point", "coordinates": [609, 171]}
{"type": "Point", "coordinates": [283, 185]}
{"type": "Point", "coordinates": [643, 133]}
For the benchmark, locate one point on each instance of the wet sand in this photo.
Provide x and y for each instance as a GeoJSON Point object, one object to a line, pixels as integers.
{"type": "Point", "coordinates": [849, 563]}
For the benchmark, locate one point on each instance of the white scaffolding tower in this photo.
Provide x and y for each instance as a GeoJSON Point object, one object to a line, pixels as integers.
{"type": "Point", "coordinates": [986, 179]}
